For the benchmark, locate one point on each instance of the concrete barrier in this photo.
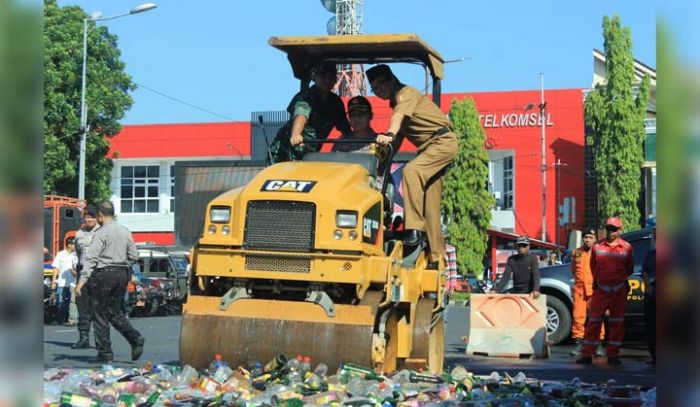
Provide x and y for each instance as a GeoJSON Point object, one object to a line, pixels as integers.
{"type": "Point", "coordinates": [507, 325]}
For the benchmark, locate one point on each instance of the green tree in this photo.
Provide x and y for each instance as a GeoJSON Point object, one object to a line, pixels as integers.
{"type": "Point", "coordinates": [615, 125]}
{"type": "Point", "coordinates": [107, 99]}
{"type": "Point", "coordinates": [466, 201]}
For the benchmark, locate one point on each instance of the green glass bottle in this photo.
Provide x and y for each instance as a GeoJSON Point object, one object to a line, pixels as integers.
{"type": "Point", "coordinates": [293, 402]}
{"type": "Point", "coordinates": [151, 400]}
{"type": "Point", "coordinates": [351, 369]}
{"type": "Point", "coordinates": [424, 378]}
{"type": "Point", "coordinates": [279, 362]}
{"type": "Point", "coordinates": [77, 400]}
{"type": "Point", "coordinates": [128, 399]}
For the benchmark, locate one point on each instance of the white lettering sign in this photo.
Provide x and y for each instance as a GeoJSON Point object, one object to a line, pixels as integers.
{"type": "Point", "coordinates": [497, 120]}
{"type": "Point", "coordinates": [288, 185]}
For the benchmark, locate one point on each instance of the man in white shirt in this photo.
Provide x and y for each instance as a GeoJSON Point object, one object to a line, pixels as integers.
{"type": "Point", "coordinates": [63, 279]}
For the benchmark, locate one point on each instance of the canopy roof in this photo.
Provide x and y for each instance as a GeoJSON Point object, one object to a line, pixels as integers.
{"type": "Point", "coordinates": [304, 51]}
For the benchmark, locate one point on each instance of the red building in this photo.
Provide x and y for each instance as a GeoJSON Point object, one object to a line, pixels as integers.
{"type": "Point", "coordinates": [144, 155]}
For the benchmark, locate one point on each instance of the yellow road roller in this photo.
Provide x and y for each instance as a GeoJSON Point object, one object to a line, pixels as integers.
{"type": "Point", "coordinates": [302, 261]}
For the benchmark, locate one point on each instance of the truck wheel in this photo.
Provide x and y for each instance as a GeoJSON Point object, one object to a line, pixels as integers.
{"type": "Point", "coordinates": [558, 320]}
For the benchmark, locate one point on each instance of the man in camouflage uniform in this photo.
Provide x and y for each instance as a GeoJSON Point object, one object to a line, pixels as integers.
{"type": "Point", "coordinates": [314, 112]}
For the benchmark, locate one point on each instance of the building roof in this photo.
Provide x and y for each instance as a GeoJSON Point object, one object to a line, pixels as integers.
{"type": "Point", "coordinates": [640, 70]}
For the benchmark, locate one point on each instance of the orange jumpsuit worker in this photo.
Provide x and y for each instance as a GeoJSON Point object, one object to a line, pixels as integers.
{"type": "Point", "coordinates": [583, 290]}
{"type": "Point", "coordinates": [612, 263]}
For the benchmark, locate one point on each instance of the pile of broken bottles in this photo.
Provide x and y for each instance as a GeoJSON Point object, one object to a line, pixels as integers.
{"type": "Point", "coordinates": [294, 383]}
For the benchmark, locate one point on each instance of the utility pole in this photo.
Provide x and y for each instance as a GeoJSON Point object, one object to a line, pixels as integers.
{"type": "Point", "coordinates": [543, 121]}
{"type": "Point", "coordinates": [558, 166]}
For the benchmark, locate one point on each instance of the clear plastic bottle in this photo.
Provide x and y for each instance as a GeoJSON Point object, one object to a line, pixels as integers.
{"type": "Point", "coordinates": [321, 370]}
{"type": "Point", "coordinates": [222, 373]}
{"type": "Point", "coordinates": [305, 365]}
{"type": "Point", "coordinates": [188, 376]}
{"type": "Point", "coordinates": [294, 364]}
{"type": "Point", "coordinates": [164, 373]}
{"type": "Point", "coordinates": [218, 361]}
{"type": "Point", "coordinates": [649, 398]}
{"type": "Point", "coordinates": [519, 379]}
{"type": "Point", "coordinates": [459, 373]}
{"type": "Point", "coordinates": [357, 387]}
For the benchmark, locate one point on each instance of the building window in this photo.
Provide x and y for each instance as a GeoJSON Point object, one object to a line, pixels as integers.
{"type": "Point", "coordinates": [507, 200]}
{"type": "Point", "coordinates": [172, 189]}
{"type": "Point", "coordinates": [139, 189]}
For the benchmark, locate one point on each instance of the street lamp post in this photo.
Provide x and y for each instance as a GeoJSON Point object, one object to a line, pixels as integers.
{"type": "Point", "coordinates": [543, 117]}
{"type": "Point", "coordinates": [83, 111]}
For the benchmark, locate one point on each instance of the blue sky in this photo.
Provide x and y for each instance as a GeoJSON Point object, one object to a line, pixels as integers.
{"type": "Point", "coordinates": [214, 54]}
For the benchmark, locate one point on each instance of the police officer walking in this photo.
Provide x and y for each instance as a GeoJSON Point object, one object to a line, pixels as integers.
{"type": "Point", "coordinates": [106, 273]}
{"type": "Point", "coordinates": [83, 239]}
{"type": "Point", "coordinates": [421, 121]}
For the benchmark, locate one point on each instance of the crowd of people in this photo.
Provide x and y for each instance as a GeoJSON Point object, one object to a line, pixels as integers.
{"type": "Point", "coordinates": [601, 270]}
{"type": "Point", "coordinates": [94, 268]}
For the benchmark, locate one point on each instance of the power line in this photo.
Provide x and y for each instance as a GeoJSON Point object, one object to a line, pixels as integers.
{"type": "Point", "coordinates": [185, 103]}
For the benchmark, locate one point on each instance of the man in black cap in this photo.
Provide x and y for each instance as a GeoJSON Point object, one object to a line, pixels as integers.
{"type": "Point", "coordinates": [313, 113]}
{"type": "Point", "coordinates": [83, 240]}
{"type": "Point", "coordinates": [523, 267]}
{"type": "Point", "coordinates": [419, 119]}
{"type": "Point", "coordinates": [107, 271]}
{"type": "Point", "coordinates": [359, 115]}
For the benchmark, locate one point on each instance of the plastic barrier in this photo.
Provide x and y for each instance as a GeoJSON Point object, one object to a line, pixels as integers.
{"type": "Point", "coordinates": [507, 325]}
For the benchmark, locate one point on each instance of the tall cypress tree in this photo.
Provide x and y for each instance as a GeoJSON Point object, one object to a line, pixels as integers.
{"type": "Point", "coordinates": [615, 121]}
{"type": "Point", "coordinates": [466, 201]}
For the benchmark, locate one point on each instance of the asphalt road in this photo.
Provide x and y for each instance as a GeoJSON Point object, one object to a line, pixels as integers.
{"type": "Point", "coordinates": [162, 335]}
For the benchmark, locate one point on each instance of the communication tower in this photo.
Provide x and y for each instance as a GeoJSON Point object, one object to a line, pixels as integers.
{"type": "Point", "coordinates": [347, 21]}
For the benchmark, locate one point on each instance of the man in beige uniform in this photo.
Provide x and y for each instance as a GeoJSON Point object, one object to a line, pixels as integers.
{"type": "Point", "coordinates": [420, 120]}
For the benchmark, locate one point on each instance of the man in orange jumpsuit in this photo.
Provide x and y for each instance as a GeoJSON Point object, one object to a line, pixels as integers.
{"type": "Point", "coordinates": [612, 263]}
{"type": "Point", "coordinates": [583, 291]}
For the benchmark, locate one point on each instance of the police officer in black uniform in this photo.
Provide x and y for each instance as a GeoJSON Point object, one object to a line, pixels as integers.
{"type": "Point", "coordinates": [106, 272]}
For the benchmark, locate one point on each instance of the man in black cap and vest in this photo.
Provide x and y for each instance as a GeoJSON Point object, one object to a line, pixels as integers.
{"type": "Point", "coordinates": [419, 119]}
{"type": "Point", "coordinates": [107, 271]}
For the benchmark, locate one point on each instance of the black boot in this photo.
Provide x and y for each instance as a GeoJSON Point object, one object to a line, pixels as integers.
{"type": "Point", "coordinates": [413, 237]}
{"type": "Point", "coordinates": [83, 341]}
{"type": "Point", "coordinates": [577, 350]}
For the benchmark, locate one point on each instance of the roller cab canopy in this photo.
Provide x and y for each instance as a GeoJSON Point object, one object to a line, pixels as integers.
{"type": "Point", "coordinates": [304, 51]}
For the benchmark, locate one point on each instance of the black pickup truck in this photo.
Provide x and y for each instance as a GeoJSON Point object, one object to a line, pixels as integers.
{"type": "Point", "coordinates": [556, 282]}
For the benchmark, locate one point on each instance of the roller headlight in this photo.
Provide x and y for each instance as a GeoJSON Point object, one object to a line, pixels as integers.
{"type": "Point", "coordinates": [212, 229]}
{"type": "Point", "coordinates": [346, 219]}
{"type": "Point", "coordinates": [225, 230]}
{"type": "Point", "coordinates": [220, 214]}
{"type": "Point", "coordinates": [338, 234]}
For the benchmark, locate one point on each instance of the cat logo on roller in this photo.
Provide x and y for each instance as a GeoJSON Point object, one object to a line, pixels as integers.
{"type": "Point", "coordinates": [288, 185]}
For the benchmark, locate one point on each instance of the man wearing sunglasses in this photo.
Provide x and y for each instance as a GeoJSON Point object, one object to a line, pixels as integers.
{"type": "Point", "coordinates": [612, 263]}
